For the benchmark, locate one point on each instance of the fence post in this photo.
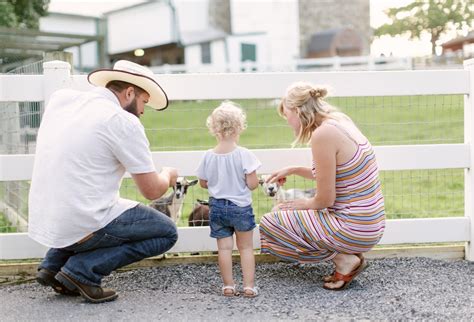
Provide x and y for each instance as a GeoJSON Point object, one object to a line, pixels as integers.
{"type": "Point", "coordinates": [469, 173]}
{"type": "Point", "coordinates": [336, 63]}
{"type": "Point", "coordinates": [57, 75]}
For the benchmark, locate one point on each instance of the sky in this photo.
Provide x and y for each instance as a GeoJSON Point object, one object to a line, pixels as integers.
{"type": "Point", "coordinates": [396, 46]}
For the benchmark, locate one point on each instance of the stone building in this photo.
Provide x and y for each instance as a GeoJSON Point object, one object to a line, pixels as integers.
{"type": "Point", "coordinates": [319, 15]}
{"type": "Point", "coordinates": [314, 17]}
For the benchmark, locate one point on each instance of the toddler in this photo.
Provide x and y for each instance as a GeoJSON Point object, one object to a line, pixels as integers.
{"type": "Point", "coordinates": [228, 171]}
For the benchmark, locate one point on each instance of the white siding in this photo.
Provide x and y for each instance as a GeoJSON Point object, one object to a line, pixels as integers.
{"type": "Point", "coordinates": [192, 14]}
{"type": "Point", "coordinates": [143, 26]}
{"type": "Point", "coordinates": [89, 55]}
{"type": "Point", "coordinates": [192, 56]}
{"type": "Point", "coordinates": [235, 53]}
{"type": "Point", "coordinates": [76, 25]}
{"type": "Point", "coordinates": [279, 19]}
{"type": "Point", "coordinates": [193, 60]}
{"type": "Point", "coordinates": [68, 24]}
{"type": "Point", "coordinates": [218, 53]}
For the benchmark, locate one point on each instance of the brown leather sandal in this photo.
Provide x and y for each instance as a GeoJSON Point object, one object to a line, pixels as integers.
{"type": "Point", "coordinates": [330, 278]}
{"type": "Point", "coordinates": [347, 279]}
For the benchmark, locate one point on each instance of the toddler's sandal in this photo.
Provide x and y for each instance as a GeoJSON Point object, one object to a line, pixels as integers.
{"type": "Point", "coordinates": [231, 288]}
{"type": "Point", "coordinates": [250, 291]}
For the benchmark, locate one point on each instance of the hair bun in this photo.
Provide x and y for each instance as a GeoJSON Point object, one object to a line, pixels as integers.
{"type": "Point", "coordinates": [318, 92]}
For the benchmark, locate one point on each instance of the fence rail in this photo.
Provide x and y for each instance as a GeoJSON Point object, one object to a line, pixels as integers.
{"type": "Point", "coordinates": [335, 63]}
{"type": "Point", "coordinates": [272, 85]}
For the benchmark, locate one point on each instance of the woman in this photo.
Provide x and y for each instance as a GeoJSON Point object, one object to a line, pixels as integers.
{"type": "Point", "coordinates": [346, 217]}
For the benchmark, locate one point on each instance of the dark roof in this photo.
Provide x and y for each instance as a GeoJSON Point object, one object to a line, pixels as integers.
{"type": "Point", "coordinates": [322, 41]}
{"type": "Point", "coordinates": [457, 41]}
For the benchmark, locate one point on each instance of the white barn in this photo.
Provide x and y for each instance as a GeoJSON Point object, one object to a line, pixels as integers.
{"type": "Point", "coordinates": [197, 35]}
{"type": "Point", "coordinates": [85, 56]}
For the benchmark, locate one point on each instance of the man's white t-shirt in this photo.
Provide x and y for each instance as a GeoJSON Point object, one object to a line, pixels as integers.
{"type": "Point", "coordinates": [225, 174]}
{"type": "Point", "coordinates": [86, 142]}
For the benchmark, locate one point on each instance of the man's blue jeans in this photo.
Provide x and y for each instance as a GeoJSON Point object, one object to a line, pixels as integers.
{"type": "Point", "coordinates": [138, 233]}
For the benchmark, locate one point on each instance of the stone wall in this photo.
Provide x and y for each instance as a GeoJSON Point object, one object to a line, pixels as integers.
{"type": "Point", "coordinates": [319, 15]}
{"type": "Point", "coordinates": [219, 15]}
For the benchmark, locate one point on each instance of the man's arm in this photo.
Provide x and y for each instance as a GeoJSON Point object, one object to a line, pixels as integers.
{"type": "Point", "coordinates": [154, 185]}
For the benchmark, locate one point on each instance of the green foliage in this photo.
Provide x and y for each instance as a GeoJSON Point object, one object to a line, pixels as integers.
{"type": "Point", "coordinates": [5, 226]}
{"type": "Point", "coordinates": [22, 13]}
{"type": "Point", "coordinates": [7, 15]}
{"type": "Point", "coordinates": [432, 16]}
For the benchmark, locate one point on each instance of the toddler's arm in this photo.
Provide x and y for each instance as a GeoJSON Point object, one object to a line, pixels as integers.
{"type": "Point", "coordinates": [252, 180]}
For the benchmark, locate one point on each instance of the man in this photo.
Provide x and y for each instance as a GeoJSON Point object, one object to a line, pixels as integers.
{"type": "Point", "coordinates": [86, 142]}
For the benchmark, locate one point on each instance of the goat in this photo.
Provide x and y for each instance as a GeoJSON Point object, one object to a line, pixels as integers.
{"type": "Point", "coordinates": [172, 204]}
{"type": "Point", "coordinates": [276, 191]}
{"type": "Point", "coordinates": [199, 216]}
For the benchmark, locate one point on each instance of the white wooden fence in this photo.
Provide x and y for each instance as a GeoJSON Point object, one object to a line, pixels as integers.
{"type": "Point", "coordinates": [334, 63]}
{"type": "Point", "coordinates": [271, 85]}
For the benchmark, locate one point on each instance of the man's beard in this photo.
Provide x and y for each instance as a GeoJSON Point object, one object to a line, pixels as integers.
{"type": "Point", "coordinates": [132, 108]}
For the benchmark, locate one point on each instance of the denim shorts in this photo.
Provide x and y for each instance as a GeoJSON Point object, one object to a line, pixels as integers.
{"type": "Point", "coordinates": [226, 217]}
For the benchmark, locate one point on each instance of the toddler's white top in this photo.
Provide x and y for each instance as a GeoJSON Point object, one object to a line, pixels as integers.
{"type": "Point", "coordinates": [225, 174]}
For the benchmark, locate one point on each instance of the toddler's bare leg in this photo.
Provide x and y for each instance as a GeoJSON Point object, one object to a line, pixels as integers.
{"type": "Point", "coordinates": [225, 246]}
{"type": "Point", "coordinates": [247, 259]}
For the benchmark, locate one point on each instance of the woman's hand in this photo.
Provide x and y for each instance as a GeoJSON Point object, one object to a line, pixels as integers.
{"type": "Point", "coordinates": [297, 204]}
{"type": "Point", "coordinates": [280, 175]}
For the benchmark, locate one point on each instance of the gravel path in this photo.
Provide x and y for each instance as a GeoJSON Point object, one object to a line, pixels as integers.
{"type": "Point", "coordinates": [390, 289]}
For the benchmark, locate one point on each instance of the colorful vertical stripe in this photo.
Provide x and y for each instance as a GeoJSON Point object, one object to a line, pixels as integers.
{"type": "Point", "coordinates": [354, 224]}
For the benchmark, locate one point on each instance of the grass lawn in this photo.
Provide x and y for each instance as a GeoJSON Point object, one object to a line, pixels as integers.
{"type": "Point", "coordinates": [384, 120]}
{"type": "Point", "coordinates": [5, 226]}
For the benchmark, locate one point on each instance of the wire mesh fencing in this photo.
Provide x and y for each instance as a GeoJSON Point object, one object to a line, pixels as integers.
{"type": "Point", "coordinates": [19, 123]}
{"type": "Point", "coordinates": [394, 120]}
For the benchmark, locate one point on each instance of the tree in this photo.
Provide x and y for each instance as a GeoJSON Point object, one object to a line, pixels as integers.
{"type": "Point", "coordinates": [22, 13]}
{"type": "Point", "coordinates": [431, 16]}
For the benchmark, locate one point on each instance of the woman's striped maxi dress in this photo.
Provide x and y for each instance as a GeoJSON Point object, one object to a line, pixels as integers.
{"type": "Point", "coordinates": [354, 224]}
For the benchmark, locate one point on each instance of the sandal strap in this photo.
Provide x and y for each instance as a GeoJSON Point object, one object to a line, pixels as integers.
{"type": "Point", "coordinates": [229, 287]}
{"type": "Point", "coordinates": [349, 277]}
{"type": "Point", "coordinates": [254, 290]}
{"type": "Point", "coordinates": [341, 277]}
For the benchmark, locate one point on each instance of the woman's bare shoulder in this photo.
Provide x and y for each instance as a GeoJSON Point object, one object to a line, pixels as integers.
{"type": "Point", "coordinates": [324, 132]}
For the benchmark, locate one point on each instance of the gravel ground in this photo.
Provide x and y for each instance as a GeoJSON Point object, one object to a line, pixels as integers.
{"type": "Point", "coordinates": [390, 289]}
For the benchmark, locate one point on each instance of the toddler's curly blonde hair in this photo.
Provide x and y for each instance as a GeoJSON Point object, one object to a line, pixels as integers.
{"type": "Point", "coordinates": [226, 120]}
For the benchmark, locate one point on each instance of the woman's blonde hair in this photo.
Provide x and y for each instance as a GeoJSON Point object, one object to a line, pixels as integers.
{"type": "Point", "coordinates": [226, 120]}
{"type": "Point", "coordinates": [308, 102]}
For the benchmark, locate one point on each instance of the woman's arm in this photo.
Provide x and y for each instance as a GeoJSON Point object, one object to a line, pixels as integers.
{"type": "Point", "coordinates": [324, 147]}
{"type": "Point", "coordinates": [304, 172]}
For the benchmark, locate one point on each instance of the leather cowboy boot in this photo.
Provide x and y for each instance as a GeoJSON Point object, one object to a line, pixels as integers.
{"type": "Point", "coordinates": [94, 294]}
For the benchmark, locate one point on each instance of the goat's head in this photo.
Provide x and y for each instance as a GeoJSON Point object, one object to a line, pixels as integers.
{"type": "Point", "coordinates": [181, 187]}
{"type": "Point", "coordinates": [269, 189]}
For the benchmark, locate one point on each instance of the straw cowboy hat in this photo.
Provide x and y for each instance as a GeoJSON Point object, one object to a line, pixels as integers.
{"type": "Point", "coordinates": [138, 75]}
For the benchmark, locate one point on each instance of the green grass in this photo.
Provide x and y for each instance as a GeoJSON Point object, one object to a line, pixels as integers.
{"type": "Point", "coordinates": [433, 119]}
{"type": "Point", "coordinates": [384, 120]}
{"type": "Point", "coordinates": [5, 226]}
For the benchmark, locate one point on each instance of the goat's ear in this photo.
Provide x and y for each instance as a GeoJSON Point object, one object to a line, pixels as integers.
{"type": "Point", "coordinates": [192, 183]}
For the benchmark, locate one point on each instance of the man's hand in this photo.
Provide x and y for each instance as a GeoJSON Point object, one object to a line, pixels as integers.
{"type": "Point", "coordinates": [171, 174]}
